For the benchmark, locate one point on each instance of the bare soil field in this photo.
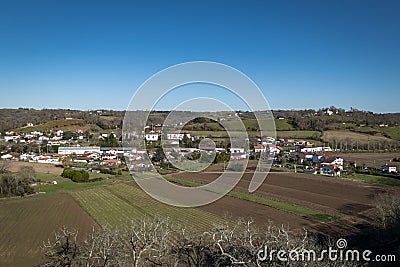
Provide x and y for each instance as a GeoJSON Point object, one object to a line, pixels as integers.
{"type": "Point", "coordinates": [25, 223]}
{"type": "Point", "coordinates": [39, 167]}
{"type": "Point", "coordinates": [352, 200]}
{"type": "Point", "coordinates": [233, 209]}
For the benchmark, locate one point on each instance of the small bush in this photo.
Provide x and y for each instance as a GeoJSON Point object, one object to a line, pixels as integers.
{"type": "Point", "coordinates": [108, 171]}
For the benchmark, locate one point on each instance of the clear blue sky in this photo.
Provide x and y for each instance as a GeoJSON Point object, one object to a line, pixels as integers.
{"type": "Point", "coordinates": [302, 54]}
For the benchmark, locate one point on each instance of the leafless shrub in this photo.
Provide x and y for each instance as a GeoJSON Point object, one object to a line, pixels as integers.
{"type": "Point", "coordinates": [388, 208]}
{"type": "Point", "coordinates": [4, 167]}
{"type": "Point", "coordinates": [157, 242]}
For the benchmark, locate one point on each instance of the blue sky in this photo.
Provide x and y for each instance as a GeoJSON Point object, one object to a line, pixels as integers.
{"type": "Point", "coordinates": [302, 54]}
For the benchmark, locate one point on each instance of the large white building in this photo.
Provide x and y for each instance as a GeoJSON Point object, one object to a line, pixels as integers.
{"type": "Point", "coordinates": [316, 149]}
{"type": "Point", "coordinates": [80, 150]}
{"type": "Point", "coordinates": [177, 136]}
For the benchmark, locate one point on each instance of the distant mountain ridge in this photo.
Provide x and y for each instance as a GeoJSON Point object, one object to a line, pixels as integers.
{"type": "Point", "coordinates": [320, 120]}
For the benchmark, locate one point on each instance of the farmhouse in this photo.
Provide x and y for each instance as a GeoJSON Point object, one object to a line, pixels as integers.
{"type": "Point", "coordinates": [151, 136]}
{"type": "Point", "coordinates": [334, 161]}
{"type": "Point", "coordinates": [238, 155]}
{"type": "Point", "coordinates": [259, 149]}
{"type": "Point", "coordinates": [274, 150]}
{"type": "Point", "coordinates": [236, 150]}
{"type": "Point", "coordinates": [389, 168]}
{"type": "Point", "coordinates": [329, 170]}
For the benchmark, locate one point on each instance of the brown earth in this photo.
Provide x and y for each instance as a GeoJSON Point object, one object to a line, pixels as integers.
{"type": "Point", "coordinates": [352, 200]}
{"type": "Point", "coordinates": [233, 208]}
{"type": "Point", "coordinates": [25, 223]}
{"type": "Point", "coordinates": [39, 167]}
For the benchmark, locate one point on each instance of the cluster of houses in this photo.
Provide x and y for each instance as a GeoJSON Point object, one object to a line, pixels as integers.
{"type": "Point", "coordinates": [79, 154]}
{"type": "Point", "coordinates": [305, 151]}
{"type": "Point", "coordinates": [54, 138]}
{"type": "Point", "coordinates": [172, 136]}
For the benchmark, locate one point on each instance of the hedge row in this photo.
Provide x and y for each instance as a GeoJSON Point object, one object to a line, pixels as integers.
{"type": "Point", "coordinates": [78, 176]}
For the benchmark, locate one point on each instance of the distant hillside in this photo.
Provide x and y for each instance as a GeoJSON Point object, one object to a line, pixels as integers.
{"type": "Point", "coordinates": [18, 118]}
{"type": "Point", "coordinates": [308, 124]}
{"type": "Point", "coordinates": [65, 125]}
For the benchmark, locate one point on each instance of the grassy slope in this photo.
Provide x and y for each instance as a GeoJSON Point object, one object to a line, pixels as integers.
{"type": "Point", "coordinates": [374, 179]}
{"type": "Point", "coordinates": [344, 135]}
{"type": "Point", "coordinates": [66, 184]}
{"type": "Point", "coordinates": [65, 125]}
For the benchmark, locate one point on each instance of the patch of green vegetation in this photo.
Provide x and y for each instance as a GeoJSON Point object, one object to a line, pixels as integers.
{"type": "Point", "coordinates": [298, 210]}
{"type": "Point", "coordinates": [366, 130]}
{"type": "Point", "coordinates": [67, 184]}
{"type": "Point", "coordinates": [314, 135]}
{"type": "Point", "coordinates": [53, 125]}
{"type": "Point", "coordinates": [374, 179]}
{"type": "Point", "coordinates": [392, 132]}
{"type": "Point", "coordinates": [294, 209]}
{"type": "Point", "coordinates": [283, 125]}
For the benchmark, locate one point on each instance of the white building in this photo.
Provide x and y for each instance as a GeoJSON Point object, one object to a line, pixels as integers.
{"type": "Point", "coordinates": [177, 136]}
{"type": "Point", "coordinates": [151, 136]}
{"type": "Point", "coordinates": [316, 149]}
{"type": "Point", "coordinates": [237, 150]}
{"type": "Point", "coordinates": [80, 150]}
{"type": "Point", "coordinates": [389, 168]}
{"type": "Point", "coordinates": [11, 138]}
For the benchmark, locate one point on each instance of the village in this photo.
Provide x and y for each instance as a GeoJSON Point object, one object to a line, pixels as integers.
{"type": "Point", "coordinates": [64, 149]}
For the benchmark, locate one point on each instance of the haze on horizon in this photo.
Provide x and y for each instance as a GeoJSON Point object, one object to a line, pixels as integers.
{"type": "Point", "coordinates": [94, 55]}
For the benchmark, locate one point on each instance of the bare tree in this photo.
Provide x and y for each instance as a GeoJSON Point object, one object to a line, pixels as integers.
{"type": "Point", "coordinates": [388, 208]}
{"type": "Point", "coordinates": [64, 250]}
{"type": "Point", "coordinates": [4, 167]}
{"type": "Point", "coordinates": [157, 242]}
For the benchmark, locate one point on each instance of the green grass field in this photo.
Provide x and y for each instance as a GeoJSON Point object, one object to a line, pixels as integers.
{"type": "Point", "coordinates": [392, 132]}
{"type": "Point", "coordinates": [375, 179]}
{"type": "Point", "coordinates": [67, 184]}
{"type": "Point", "coordinates": [122, 203]}
{"type": "Point", "coordinates": [65, 125]}
{"type": "Point", "coordinates": [299, 134]}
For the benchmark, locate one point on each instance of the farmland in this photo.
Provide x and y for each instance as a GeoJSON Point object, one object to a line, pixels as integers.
{"type": "Point", "coordinates": [25, 223]}
{"type": "Point", "coordinates": [353, 137]}
{"type": "Point", "coordinates": [319, 204]}
{"type": "Point", "coordinates": [118, 204]}
{"type": "Point", "coordinates": [350, 200]}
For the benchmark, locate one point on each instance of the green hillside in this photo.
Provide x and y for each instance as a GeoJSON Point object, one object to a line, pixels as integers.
{"type": "Point", "coordinates": [65, 125]}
